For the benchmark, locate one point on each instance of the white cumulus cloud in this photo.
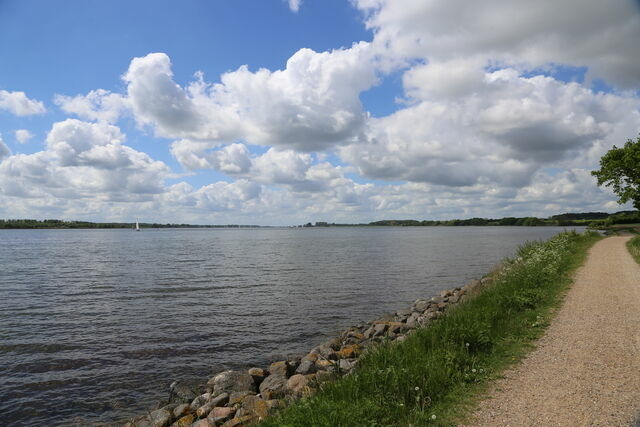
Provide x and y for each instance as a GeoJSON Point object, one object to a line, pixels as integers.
{"type": "Point", "coordinates": [23, 136]}
{"type": "Point", "coordinates": [19, 104]}
{"type": "Point", "coordinates": [100, 105]}
{"type": "Point", "coordinates": [310, 105]}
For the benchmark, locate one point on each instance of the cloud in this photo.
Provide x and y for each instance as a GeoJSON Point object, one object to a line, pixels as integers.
{"type": "Point", "coordinates": [594, 34]}
{"type": "Point", "coordinates": [501, 129]}
{"type": "Point", "coordinates": [19, 104]}
{"type": "Point", "coordinates": [294, 5]}
{"type": "Point", "coordinates": [83, 160]}
{"type": "Point", "coordinates": [311, 105]}
{"type": "Point", "coordinates": [23, 136]}
{"type": "Point", "coordinates": [100, 105]}
{"type": "Point", "coordinates": [4, 150]}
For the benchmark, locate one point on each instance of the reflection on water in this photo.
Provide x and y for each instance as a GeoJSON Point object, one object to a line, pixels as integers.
{"type": "Point", "coordinates": [95, 324]}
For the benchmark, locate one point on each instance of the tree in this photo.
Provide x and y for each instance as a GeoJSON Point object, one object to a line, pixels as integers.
{"type": "Point", "coordinates": [620, 169]}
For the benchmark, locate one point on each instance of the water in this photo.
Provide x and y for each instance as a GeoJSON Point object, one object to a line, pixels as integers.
{"type": "Point", "coordinates": [95, 324]}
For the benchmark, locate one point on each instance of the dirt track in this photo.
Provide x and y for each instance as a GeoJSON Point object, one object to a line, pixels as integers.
{"type": "Point", "coordinates": [585, 371]}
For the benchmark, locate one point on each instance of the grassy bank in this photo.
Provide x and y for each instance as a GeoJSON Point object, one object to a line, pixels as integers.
{"type": "Point", "coordinates": [634, 248]}
{"type": "Point", "coordinates": [437, 373]}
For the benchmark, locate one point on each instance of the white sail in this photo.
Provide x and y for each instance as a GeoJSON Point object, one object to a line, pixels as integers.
{"type": "Point", "coordinates": [137, 226]}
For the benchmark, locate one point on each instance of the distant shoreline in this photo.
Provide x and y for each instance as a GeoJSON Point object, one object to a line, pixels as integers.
{"type": "Point", "coordinates": [587, 219]}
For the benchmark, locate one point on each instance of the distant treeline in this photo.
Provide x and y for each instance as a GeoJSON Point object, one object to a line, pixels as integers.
{"type": "Point", "coordinates": [56, 223]}
{"type": "Point", "coordinates": [566, 219]}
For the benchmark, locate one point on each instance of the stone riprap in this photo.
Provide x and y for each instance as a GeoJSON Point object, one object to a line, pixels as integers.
{"type": "Point", "coordinates": [240, 398]}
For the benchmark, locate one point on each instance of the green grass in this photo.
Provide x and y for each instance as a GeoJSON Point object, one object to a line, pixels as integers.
{"type": "Point", "coordinates": [435, 376]}
{"type": "Point", "coordinates": [634, 248]}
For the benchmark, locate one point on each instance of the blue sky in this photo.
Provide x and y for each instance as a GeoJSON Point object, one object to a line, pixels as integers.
{"type": "Point", "coordinates": [363, 110]}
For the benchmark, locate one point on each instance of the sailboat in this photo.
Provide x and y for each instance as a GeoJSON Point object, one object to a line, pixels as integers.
{"type": "Point", "coordinates": [137, 226]}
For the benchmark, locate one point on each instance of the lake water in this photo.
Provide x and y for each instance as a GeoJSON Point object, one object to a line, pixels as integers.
{"type": "Point", "coordinates": [95, 324]}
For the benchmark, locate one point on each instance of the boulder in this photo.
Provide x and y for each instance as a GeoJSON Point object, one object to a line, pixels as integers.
{"type": "Point", "coordinates": [181, 393]}
{"type": "Point", "coordinates": [220, 400]}
{"type": "Point", "coordinates": [369, 332]}
{"type": "Point", "coordinates": [219, 414]}
{"type": "Point", "coordinates": [306, 367]}
{"type": "Point", "coordinates": [324, 365]}
{"type": "Point", "coordinates": [199, 401]}
{"type": "Point", "coordinates": [240, 421]}
{"type": "Point", "coordinates": [181, 410]}
{"type": "Point", "coordinates": [237, 397]}
{"type": "Point", "coordinates": [255, 406]}
{"type": "Point", "coordinates": [348, 352]}
{"type": "Point", "coordinates": [421, 305]}
{"type": "Point", "coordinates": [185, 421]}
{"type": "Point", "coordinates": [280, 368]}
{"type": "Point", "coordinates": [258, 374]}
{"type": "Point", "coordinates": [160, 418]}
{"type": "Point", "coordinates": [231, 381]}
{"type": "Point", "coordinates": [141, 422]}
{"type": "Point", "coordinates": [325, 351]}
{"type": "Point", "coordinates": [346, 365]}
{"type": "Point", "coordinates": [274, 386]}
{"type": "Point", "coordinates": [298, 385]}
{"type": "Point", "coordinates": [379, 329]}
{"type": "Point", "coordinates": [203, 423]}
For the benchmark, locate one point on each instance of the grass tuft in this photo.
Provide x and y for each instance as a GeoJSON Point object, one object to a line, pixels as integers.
{"type": "Point", "coordinates": [634, 248]}
{"type": "Point", "coordinates": [435, 376]}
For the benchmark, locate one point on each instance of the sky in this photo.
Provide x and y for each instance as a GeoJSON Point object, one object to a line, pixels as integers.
{"type": "Point", "coordinates": [283, 112]}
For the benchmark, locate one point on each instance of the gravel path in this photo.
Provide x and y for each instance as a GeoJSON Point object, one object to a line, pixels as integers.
{"type": "Point", "coordinates": [585, 371]}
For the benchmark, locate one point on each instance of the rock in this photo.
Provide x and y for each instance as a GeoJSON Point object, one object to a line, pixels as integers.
{"type": "Point", "coordinates": [306, 367]}
{"type": "Point", "coordinates": [447, 293]}
{"type": "Point", "coordinates": [348, 352]}
{"type": "Point", "coordinates": [298, 385]}
{"type": "Point", "coordinates": [430, 315]}
{"type": "Point", "coordinates": [204, 410]}
{"type": "Point", "coordinates": [240, 421]}
{"type": "Point", "coordinates": [221, 414]}
{"type": "Point", "coordinates": [401, 338]}
{"type": "Point", "coordinates": [255, 406]}
{"type": "Point", "coordinates": [220, 400]}
{"type": "Point", "coordinates": [437, 300]}
{"type": "Point", "coordinates": [280, 368]}
{"type": "Point", "coordinates": [200, 400]}
{"type": "Point", "coordinates": [324, 364]}
{"type": "Point", "coordinates": [325, 351]}
{"type": "Point", "coordinates": [396, 327]}
{"type": "Point", "coordinates": [185, 421]}
{"type": "Point", "coordinates": [421, 305]}
{"type": "Point", "coordinates": [141, 422]}
{"type": "Point", "coordinates": [369, 332]}
{"type": "Point", "coordinates": [160, 418]}
{"type": "Point", "coordinates": [312, 357]}
{"type": "Point", "coordinates": [258, 374]}
{"type": "Point", "coordinates": [379, 329]}
{"type": "Point", "coordinates": [412, 322]}
{"type": "Point", "coordinates": [231, 381]}
{"type": "Point", "coordinates": [273, 386]}
{"type": "Point", "coordinates": [355, 335]}
{"type": "Point", "coordinates": [181, 410]}
{"type": "Point", "coordinates": [346, 365]}
{"type": "Point", "coordinates": [405, 312]}
{"type": "Point", "coordinates": [181, 393]}
{"type": "Point", "coordinates": [237, 397]}
{"type": "Point", "coordinates": [203, 423]}
{"type": "Point", "coordinates": [453, 299]}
